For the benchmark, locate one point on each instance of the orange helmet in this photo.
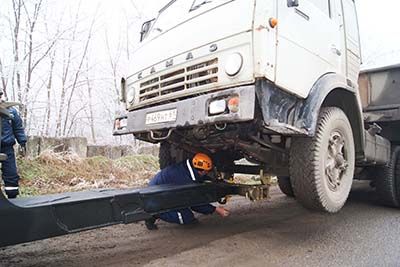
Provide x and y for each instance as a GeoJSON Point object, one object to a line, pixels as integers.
{"type": "Point", "coordinates": [202, 161]}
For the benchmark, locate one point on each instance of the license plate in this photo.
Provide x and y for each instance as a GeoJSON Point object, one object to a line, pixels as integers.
{"type": "Point", "coordinates": [161, 116]}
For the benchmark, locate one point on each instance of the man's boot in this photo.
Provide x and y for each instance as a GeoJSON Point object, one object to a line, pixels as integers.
{"type": "Point", "coordinates": [12, 190]}
{"type": "Point", "coordinates": [150, 224]}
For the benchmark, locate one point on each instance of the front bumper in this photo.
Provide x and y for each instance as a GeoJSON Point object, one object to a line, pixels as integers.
{"type": "Point", "coordinates": [192, 112]}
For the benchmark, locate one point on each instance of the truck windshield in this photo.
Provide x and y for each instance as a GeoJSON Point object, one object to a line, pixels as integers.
{"type": "Point", "coordinates": [177, 11]}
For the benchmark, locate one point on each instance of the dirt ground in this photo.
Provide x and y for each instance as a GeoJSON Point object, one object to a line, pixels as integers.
{"type": "Point", "coordinates": [278, 232]}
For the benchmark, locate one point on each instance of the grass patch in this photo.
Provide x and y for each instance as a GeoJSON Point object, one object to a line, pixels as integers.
{"type": "Point", "coordinates": [61, 172]}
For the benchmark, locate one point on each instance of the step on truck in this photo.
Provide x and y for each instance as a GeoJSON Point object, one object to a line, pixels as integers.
{"type": "Point", "coordinates": [271, 81]}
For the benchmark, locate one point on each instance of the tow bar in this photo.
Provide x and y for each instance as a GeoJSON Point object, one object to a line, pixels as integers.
{"type": "Point", "coordinates": [34, 218]}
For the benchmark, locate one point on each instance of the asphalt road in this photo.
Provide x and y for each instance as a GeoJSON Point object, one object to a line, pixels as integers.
{"type": "Point", "coordinates": [278, 232]}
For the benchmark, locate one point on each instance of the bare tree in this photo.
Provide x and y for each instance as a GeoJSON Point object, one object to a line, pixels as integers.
{"type": "Point", "coordinates": [65, 75]}
{"type": "Point", "coordinates": [74, 117]}
{"type": "Point", "coordinates": [17, 7]}
{"type": "Point", "coordinates": [33, 63]}
{"type": "Point", "coordinates": [4, 80]}
{"type": "Point", "coordinates": [90, 96]}
{"type": "Point", "coordinates": [30, 49]}
{"type": "Point", "coordinates": [76, 77]}
{"type": "Point", "coordinates": [114, 61]}
{"type": "Point", "coordinates": [46, 122]}
{"type": "Point", "coordinates": [57, 86]}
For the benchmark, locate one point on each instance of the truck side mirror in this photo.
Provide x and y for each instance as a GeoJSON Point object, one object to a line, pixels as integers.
{"type": "Point", "coordinates": [122, 97]}
{"type": "Point", "coordinates": [145, 29]}
{"type": "Point", "coordinates": [292, 3]}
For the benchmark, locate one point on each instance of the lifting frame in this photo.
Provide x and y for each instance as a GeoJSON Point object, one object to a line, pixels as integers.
{"type": "Point", "coordinates": [34, 218]}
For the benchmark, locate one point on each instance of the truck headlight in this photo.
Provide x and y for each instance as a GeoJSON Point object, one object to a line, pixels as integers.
{"type": "Point", "coordinates": [217, 107]}
{"type": "Point", "coordinates": [130, 96]}
{"type": "Point", "coordinates": [233, 64]}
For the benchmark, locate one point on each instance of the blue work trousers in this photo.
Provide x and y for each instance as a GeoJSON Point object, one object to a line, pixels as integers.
{"type": "Point", "coordinates": [183, 216]}
{"type": "Point", "coordinates": [9, 172]}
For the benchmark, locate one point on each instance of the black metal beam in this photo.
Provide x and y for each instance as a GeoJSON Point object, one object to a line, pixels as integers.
{"type": "Point", "coordinates": [33, 218]}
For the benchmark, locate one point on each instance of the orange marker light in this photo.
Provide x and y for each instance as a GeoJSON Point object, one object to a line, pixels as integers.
{"type": "Point", "coordinates": [273, 22]}
{"type": "Point", "coordinates": [233, 104]}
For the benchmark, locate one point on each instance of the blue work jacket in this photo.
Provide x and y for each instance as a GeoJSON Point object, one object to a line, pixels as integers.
{"type": "Point", "coordinates": [180, 174]}
{"type": "Point", "coordinates": [12, 129]}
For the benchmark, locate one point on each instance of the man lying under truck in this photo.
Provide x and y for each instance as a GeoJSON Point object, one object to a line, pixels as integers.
{"type": "Point", "coordinates": [186, 172]}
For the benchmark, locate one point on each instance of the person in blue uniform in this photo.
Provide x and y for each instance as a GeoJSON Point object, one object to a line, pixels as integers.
{"type": "Point", "coordinates": [189, 171]}
{"type": "Point", "coordinates": [11, 129]}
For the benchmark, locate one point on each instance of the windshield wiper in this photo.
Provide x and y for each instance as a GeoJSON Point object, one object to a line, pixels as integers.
{"type": "Point", "coordinates": [193, 8]}
{"type": "Point", "coordinates": [167, 6]}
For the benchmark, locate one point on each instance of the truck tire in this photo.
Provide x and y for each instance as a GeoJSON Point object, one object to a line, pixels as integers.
{"type": "Point", "coordinates": [285, 185]}
{"type": "Point", "coordinates": [322, 167]}
{"type": "Point", "coordinates": [164, 155]}
{"type": "Point", "coordinates": [388, 181]}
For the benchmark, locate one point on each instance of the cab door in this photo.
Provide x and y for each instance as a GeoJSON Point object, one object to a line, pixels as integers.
{"type": "Point", "coordinates": [309, 44]}
{"type": "Point", "coordinates": [352, 40]}
{"type": "Point", "coordinates": [338, 16]}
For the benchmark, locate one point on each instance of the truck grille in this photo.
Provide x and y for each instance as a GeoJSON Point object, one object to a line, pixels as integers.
{"type": "Point", "coordinates": [188, 78]}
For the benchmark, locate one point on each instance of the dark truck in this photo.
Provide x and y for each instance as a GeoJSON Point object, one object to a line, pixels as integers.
{"type": "Point", "coordinates": [380, 96]}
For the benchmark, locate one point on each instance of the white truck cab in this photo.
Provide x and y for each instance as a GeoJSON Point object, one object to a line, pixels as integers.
{"type": "Point", "coordinates": [271, 81]}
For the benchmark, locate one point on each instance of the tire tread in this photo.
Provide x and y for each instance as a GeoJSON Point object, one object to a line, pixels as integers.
{"type": "Point", "coordinates": [304, 166]}
{"type": "Point", "coordinates": [387, 186]}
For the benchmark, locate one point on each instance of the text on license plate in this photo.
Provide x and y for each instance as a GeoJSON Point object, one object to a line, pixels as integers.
{"type": "Point", "coordinates": [161, 116]}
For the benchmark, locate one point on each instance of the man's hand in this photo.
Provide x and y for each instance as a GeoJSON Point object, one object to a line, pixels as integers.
{"type": "Point", "coordinates": [222, 211]}
{"type": "Point", "coordinates": [23, 150]}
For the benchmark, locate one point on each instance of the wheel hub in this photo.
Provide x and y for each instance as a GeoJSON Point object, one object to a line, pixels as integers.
{"type": "Point", "coordinates": [336, 163]}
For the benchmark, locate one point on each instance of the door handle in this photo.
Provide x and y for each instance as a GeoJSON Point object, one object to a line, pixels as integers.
{"type": "Point", "coordinates": [335, 50]}
{"type": "Point", "coordinates": [301, 14]}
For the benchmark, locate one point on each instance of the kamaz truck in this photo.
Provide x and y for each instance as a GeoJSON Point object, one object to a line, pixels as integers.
{"type": "Point", "coordinates": [271, 81]}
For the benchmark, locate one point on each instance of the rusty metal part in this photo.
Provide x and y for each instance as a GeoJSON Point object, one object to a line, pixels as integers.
{"type": "Point", "coordinates": [255, 192]}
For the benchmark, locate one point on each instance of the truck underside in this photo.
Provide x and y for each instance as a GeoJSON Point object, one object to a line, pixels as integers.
{"type": "Point", "coordinates": [227, 137]}
{"type": "Point", "coordinates": [269, 119]}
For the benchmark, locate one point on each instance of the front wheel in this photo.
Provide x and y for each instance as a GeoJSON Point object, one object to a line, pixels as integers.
{"type": "Point", "coordinates": [322, 167]}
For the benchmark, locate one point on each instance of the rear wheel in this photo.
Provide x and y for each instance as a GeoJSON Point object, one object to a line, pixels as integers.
{"type": "Point", "coordinates": [388, 181]}
{"type": "Point", "coordinates": [285, 186]}
{"type": "Point", "coordinates": [322, 167]}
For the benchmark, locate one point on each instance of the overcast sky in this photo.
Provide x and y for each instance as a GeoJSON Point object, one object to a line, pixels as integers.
{"type": "Point", "coordinates": [379, 23]}
{"type": "Point", "coordinates": [380, 31]}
